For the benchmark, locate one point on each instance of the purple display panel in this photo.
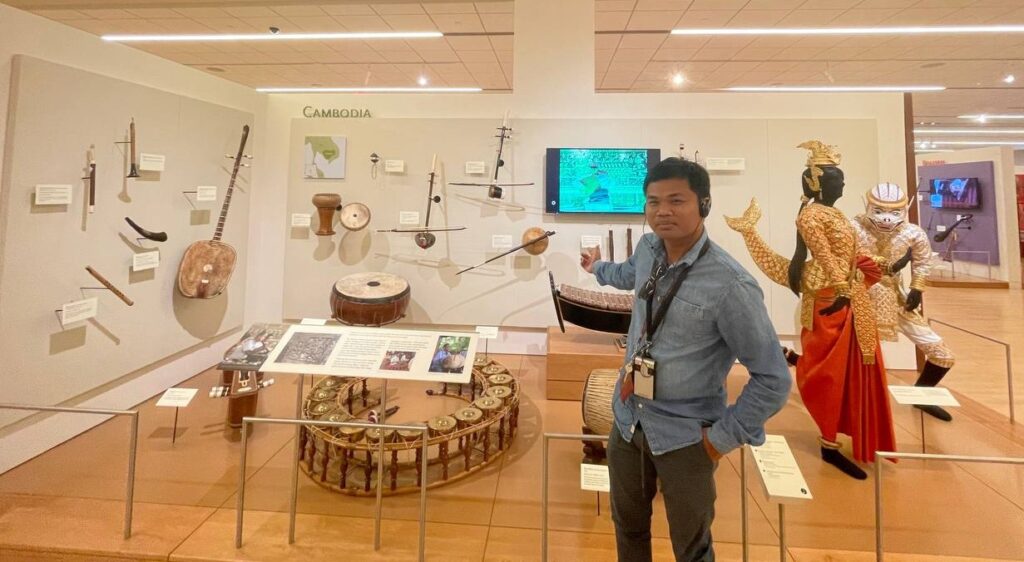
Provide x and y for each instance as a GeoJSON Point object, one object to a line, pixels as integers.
{"type": "Point", "coordinates": [978, 234]}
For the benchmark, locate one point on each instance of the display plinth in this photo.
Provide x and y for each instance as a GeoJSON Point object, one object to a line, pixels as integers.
{"type": "Point", "coordinates": [573, 355]}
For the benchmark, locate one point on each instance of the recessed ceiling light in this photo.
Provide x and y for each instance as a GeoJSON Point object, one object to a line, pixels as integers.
{"type": "Point", "coordinates": [276, 37]}
{"type": "Point", "coordinates": [881, 30]}
{"type": "Point", "coordinates": [969, 131]}
{"type": "Point", "coordinates": [835, 89]}
{"type": "Point", "coordinates": [422, 81]}
{"type": "Point", "coordinates": [678, 79]}
{"type": "Point", "coordinates": [1009, 79]}
{"type": "Point", "coordinates": [380, 90]}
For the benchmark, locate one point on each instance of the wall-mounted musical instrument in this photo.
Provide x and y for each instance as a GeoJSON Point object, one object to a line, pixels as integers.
{"type": "Point", "coordinates": [92, 181]}
{"type": "Point", "coordinates": [370, 299]}
{"type": "Point", "coordinates": [374, 160]}
{"type": "Point", "coordinates": [535, 241]}
{"type": "Point", "coordinates": [595, 310]}
{"type": "Point", "coordinates": [495, 189]}
{"type": "Point", "coordinates": [326, 204]}
{"type": "Point", "coordinates": [355, 216]}
{"type": "Point", "coordinates": [941, 236]}
{"type": "Point", "coordinates": [110, 286]}
{"type": "Point", "coordinates": [133, 171]}
{"type": "Point", "coordinates": [425, 234]}
{"type": "Point", "coordinates": [611, 245]}
{"type": "Point", "coordinates": [154, 236]}
{"type": "Point", "coordinates": [629, 242]}
{"type": "Point", "coordinates": [207, 265]}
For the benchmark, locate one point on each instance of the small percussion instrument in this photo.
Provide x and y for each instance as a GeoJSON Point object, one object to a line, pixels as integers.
{"type": "Point", "coordinates": [489, 405]}
{"type": "Point", "coordinates": [373, 435]}
{"type": "Point", "coordinates": [326, 204]}
{"type": "Point", "coordinates": [355, 216]}
{"type": "Point", "coordinates": [598, 392]}
{"type": "Point", "coordinates": [499, 392]}
{"type": "Point", "coordinates": [322, 409]}
{"type": "Point", "coordinates": [503, 379]}
{"type": "Point", "coordinates": [321, 395]}
{"type": "Point", "coordinates": [441, 425]}
{"type": "Point", "coordinates": [370, 299]}
{"type": "Point", "coordinates": [494, 370]}
{"type": "Point", "coordinates": [595, 310]}
{"type": "Point", "coordinates": [409, 435]}
{"type": "Point", "coordinates": [468, 416]}
{"type": "Point", "coordinates": [481, 362]}
{"type": "Point", "coordinates": [538, 247]}
{"type": "Point", "coordinates": [352, 434]}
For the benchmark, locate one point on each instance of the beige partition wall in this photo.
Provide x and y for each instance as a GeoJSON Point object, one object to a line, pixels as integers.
{"type": "Point", "coordinates": [57, 115]}
{"type": "Point", "coordinates": [514, 291]}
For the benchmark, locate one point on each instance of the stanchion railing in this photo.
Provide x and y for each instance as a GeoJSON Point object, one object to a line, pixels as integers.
{"type": "Point", "coordinates": [880, 455]}
{"type": "Point", "coordinates": [240, 505]}
{"type": "Point", "coordinates": [544, 481]}
{"type": "Point", "coordinates": [129, 499]}
{"type": "Point", "coordinates": [1009, 361]}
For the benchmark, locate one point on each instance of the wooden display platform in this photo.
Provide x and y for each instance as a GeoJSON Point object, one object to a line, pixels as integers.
{"type": "Point", "coordinates": [571, 357]}
{"type": "Point", "coordinates": [964, 281]}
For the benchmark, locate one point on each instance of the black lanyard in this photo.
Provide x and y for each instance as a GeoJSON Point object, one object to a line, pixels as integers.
{"type": "Point", "coordinates": [652, 324]}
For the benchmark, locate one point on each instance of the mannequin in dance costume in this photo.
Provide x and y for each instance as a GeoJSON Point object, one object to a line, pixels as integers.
{"type": "Point", "coordinates": [841, 375]}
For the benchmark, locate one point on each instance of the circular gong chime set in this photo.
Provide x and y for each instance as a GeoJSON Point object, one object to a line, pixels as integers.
{"type": "Point", "coordinates": [459, 443]}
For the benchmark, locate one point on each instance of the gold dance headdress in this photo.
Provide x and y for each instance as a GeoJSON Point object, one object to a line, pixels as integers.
{"type": "Point", "coordinates": [821, 155]}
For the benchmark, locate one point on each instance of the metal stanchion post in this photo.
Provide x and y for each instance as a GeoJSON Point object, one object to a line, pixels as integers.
{"type": "Point", "coordinates": [380, 466]}
{"type": "Point", "coordinates": [294, 500]}
{"type": "Point", "coordinates": [878, 509]}
{"type": "Point", "coordinates": [1009, 383]}
{"type": "Point", "coordinates": [544, 501]}
{"type": "Point", "coordinates": [922, 430]}
{"type": "Point", "coordinates": [423, 495]}
{"type": "Point", "coordinates": [744, 538]}
{"type": "Point", "coordinates": [133, 447]}
{"type": "Point", "coordinates": [240, 502]}
{"type": "Point", "coordinates": [782, 533]}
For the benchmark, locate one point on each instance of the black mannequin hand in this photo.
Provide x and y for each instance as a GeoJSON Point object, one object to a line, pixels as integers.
{"type": "Point", "coordinates": [913, 300]}
{"type": "Point", "coordinates": [899, 264]}
{"type": "Point", "coordinates": [839, 304]}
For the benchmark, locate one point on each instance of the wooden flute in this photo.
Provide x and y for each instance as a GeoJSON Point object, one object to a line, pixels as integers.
{"type": "Point", "coordinates": [110, 286]}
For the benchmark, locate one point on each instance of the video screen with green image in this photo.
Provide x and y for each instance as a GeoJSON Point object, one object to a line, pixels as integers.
{"type": "Point", "coordinates": [597, 180]}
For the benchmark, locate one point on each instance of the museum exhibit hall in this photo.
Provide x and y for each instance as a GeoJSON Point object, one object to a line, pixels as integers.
{"type": "Point", "coordinates": [512, 280]}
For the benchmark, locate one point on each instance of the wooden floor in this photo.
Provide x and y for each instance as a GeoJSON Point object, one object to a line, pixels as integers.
{"type": "Point", "coordinates": [67, 504]}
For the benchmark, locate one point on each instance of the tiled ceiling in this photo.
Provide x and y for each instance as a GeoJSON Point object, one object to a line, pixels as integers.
{"type": "Point", "coordinates": [635, 52]}
{"type": "Point", "coordinates": [477, 49]}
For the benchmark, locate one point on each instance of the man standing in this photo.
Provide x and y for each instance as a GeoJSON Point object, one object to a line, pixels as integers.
{"type": "Point", "coordinates": [695, 312]}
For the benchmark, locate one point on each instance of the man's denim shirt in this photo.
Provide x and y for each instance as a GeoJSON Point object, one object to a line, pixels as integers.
{"type": "Point", "coordinates": [717, 316]}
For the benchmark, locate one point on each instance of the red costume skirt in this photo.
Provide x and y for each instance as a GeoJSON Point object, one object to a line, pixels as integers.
{"type": "Point", "coordinates": [843, 394]}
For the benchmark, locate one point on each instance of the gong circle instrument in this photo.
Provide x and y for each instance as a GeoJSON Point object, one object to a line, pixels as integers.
{"type": "Point", "coordinates": [346, 459]}
{"type": "Point", "coordinates": [355, 216]}
{"type": "Point", "coordinates": [326, 204]}
{"type": "Point", "coordinates": [369, 299]}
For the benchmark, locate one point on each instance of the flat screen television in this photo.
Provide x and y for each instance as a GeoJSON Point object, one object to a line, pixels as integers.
{"type": "Point", "coordinates": [955, 193]}
{"type": "Point", "coordinates": [597, 180]}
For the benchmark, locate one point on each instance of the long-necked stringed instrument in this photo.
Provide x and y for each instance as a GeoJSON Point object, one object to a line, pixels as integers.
{"type": "Point", "coordinates": [207, 265]}
{"type": "Point", "coordinates": [495, 189]}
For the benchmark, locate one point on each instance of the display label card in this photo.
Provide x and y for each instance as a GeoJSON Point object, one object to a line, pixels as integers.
{"type": "Point", "coordinates": [781, 478]}
{"type": "Point", "coordinates": [53, 194]}
{"type": "Point", "coordinates": [314, 322]}
{"type": "Point", "coordinates": [354, 351]}
{"type": "Point", "coordinates": [590, 241]}
{"type": "Point", "coordinates": [594, 477]}
{"type": "Point", "coordinates": [487, 332]}
{"type": "Point", "coordinates": [78, 310]}
{"type": "Point", "coordinates": [923, 395]}
{"type": "Point", "coordinates": [501, 241]}
{"type": "Point", "coordinates": [476, 168]}
{"type": "Point", "coordinates": [301, 220]}
{"type": "Point", "coordinates": [409, 217]}
{"type": "Point", "coordinates": [177, 397]}
{"type": "Point", "coordinates": [151, 162]}
{"type": "Point", "coordinates": [394, 166]}
{"type": "Point", "coordinates": [146, 260]}
{"type": "Point", "coordinates": [726, 164]}
{"type": "Point", "coordinates": [940, 228]}
{"type": "Point", "coordinates": [206, 193]}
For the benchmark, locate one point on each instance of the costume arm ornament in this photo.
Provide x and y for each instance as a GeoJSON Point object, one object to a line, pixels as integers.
{"type": "Point", "coordinates": [775, 266]}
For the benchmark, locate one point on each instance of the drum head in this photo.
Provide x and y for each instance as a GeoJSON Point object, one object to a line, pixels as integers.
{"type": "Point", "coordinates": [355, 216]}
{"type": "Point", "coordinates": [371, 287]}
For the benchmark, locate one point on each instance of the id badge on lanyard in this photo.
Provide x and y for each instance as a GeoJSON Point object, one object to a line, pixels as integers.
{"type": "Point", "coordinates": [643, 377]}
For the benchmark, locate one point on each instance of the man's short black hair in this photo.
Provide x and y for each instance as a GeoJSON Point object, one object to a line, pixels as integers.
{"type": "Point", "coordinates": [678, 168]}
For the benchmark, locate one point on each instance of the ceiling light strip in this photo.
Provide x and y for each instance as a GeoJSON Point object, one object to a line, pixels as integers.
{"type": "Point", "coordinates": [379, 90]}
{"type": "Point", "coordinates": [275, 36]}
{"type": "Point", "coordinates": [969, 131]}
{"type": "Point", "coordinates": [976, 143]}
{"type": "Point", "coordinates": [881, 30]}
{"type": "Point", "coordinates": [835, 89]}
{"type": "Point", "coordinates": [986, 116]}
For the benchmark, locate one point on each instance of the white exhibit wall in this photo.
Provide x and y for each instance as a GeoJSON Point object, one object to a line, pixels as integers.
{"type": "Point", "coordinates": [1002, 158]}
{"type": "Point", "coordinates": [22, 33]}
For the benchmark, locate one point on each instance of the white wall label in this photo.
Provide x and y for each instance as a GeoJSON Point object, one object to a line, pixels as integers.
{"type": "Point", "coordinates": [780, 475]}
{"type": "Point", "coordinates": [923, 395]}
{"type": "Point", "coordinates": [394, 166]}
{"type": "Point", "coordinates": [177, 397]}
{"type": "Point", "coordinates": [501, 241]}
{"type": "Point", "coordinates": [487, 332]}
{"type": "Point", "coordinates": [594, 477]}
{"type": "Point", "coordinates": [940, 228]}
{"type": "Point", "coordinates": [314, 322]}
{"type": "Point", "coordinates": [409, 217]}
{"type": "Point", "coordinates": [591, 241]}
{"type": "Point", "coordinates": [77, 311]}
{"type": "Point", "coordinates": [146, 260]}
{"type": "Point", "coordinates": [301, 220]}
{"type": "Point", "coordinates": [206, 193]}
{"type": "Point", "coordinates": [52, 194]}
{"type": "Point", "coordinates": [476, 168]}
{"type": "Point", "coordinates": [726, 164]}
{"type": "Point", "coordinates": [151, 162]}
